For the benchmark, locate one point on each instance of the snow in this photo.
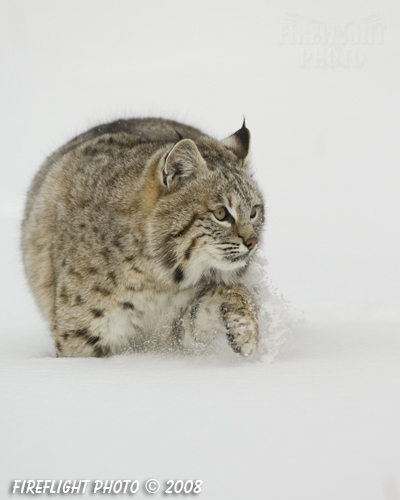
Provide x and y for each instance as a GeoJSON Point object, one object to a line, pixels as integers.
{"type": "Point", "coordinates": [316, 415]}
{"type": "Point", "coordinates": [322, 422]}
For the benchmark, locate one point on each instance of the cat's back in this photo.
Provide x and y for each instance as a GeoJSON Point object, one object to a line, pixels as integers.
{"type": "Point", "coordinates": [82, 173]}
{"type": "Point", "coordinates": [151, 131]}
{"type": "Point", "coordinates": [142, 130]}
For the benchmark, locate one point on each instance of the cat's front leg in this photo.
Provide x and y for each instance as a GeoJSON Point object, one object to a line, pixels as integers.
{"type": "Point", "coordinates": [239, 315]}
{"type": "Point", "coordinates": [229, 310]}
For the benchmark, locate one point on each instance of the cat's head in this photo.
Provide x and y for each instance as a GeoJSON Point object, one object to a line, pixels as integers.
{"type": "Point", "coordinates": [209, 215]}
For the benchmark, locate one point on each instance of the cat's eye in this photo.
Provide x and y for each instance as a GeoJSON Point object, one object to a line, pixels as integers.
{"type": "Point", "coordinates": [253, 212]}
{"type": "Point", "coordinates": [220, 213]}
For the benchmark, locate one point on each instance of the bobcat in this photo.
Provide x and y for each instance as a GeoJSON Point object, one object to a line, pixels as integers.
{"type": "Point", "coordinates": [137, 233]}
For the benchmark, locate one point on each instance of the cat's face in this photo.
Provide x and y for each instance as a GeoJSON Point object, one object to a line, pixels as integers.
{"type": "Point", "coordinates": [209, 217]}
{"type": "Point", "coordinates": [234, 222]}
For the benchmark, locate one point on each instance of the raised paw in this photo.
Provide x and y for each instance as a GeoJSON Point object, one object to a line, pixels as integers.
{"type": "Point", "coordinates": [240, 320]}
{"type": "Point", "coordinates": [242, 335]}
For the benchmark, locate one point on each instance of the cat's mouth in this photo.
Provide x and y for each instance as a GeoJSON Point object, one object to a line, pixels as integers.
{"type": "Point", "coordinates": [239, 257]}
{"type": "Point", "coordinates": [238, 261]}
{"type": "Point", "coordinates": [230, 262]}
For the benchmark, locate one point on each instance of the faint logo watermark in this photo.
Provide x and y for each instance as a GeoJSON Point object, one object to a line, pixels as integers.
{"type": "Point", "coordinates": [331, 45]}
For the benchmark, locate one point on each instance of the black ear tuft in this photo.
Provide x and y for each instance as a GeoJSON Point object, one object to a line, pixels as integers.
{"type": "Point", "coordinates": [239, 142]}
{"type": "Point", "coordinates": [244, 137]}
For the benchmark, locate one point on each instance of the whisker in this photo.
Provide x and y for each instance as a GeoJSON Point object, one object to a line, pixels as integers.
{"type": "Point", "coordinates": [194, 262]}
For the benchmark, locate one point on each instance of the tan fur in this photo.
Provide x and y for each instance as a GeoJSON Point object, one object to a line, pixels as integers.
{"type": "Point", "coordinates": [121, 244]}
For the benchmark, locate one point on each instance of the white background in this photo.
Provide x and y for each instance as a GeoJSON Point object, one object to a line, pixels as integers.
{"type": "Point", "coordinates": [321, 422]}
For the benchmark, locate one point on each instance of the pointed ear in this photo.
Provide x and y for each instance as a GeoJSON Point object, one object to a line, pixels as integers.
{"type": "Point", "coordinates": [239, 142]}
{"type": "Point", "coordinates": [183, 161]}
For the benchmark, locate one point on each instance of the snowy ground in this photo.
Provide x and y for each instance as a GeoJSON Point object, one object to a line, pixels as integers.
{"type": "Point", "coordinates": [321, 421]}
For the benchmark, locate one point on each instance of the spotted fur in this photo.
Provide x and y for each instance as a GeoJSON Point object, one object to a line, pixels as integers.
{"type": "Point", "coordinates": [121, 243]}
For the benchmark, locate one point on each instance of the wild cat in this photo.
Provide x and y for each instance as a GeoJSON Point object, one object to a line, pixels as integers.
{"type": "Point", "coordinates": [139, 232]}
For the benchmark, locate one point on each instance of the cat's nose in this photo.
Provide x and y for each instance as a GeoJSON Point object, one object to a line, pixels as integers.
{"type": "Point", "coordinates": [251, 243]}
